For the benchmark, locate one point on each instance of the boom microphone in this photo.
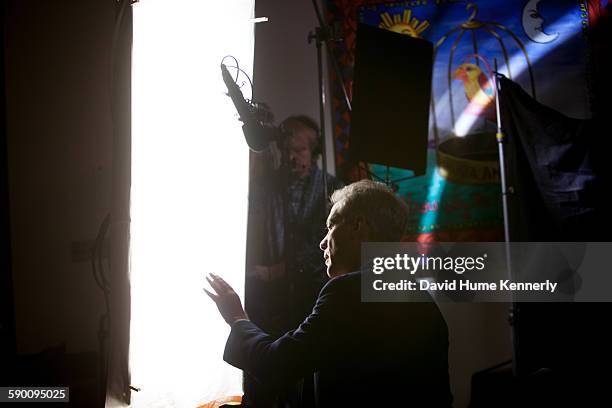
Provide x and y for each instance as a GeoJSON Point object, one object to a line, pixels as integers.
{"type": "Point", "coordinates": [257, 135]}
{"type": "Point", "coordinates": [234, 92]}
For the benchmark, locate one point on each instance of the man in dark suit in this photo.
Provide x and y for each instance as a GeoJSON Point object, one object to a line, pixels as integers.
{"type": "Point", "coordinates": [362, 354]}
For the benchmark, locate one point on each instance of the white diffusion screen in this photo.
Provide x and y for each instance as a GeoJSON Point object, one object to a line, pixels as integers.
{"type": "Point", "coordinates": [188, 197]}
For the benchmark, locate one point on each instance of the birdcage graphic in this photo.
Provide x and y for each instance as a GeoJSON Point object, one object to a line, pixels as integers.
{"type": "Point", "coordinates": [463, 123]}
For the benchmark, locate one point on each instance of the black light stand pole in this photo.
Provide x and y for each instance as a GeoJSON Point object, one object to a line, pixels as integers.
{"type": "Point", "coordinates": [513, 318]}
{"type": "Point", "coordinates": [321, 35]}
{"type": "Point", "coordinates": [325, 36]}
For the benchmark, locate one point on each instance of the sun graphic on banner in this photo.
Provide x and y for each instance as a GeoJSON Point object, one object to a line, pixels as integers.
{"type": "Point", "coordinates": [403, 24]}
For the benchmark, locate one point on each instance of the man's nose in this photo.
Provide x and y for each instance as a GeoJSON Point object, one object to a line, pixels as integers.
{"type": "Point", "coordinates": [323, 243]}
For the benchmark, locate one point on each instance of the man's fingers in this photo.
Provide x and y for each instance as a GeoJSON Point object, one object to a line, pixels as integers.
{"type": "Point", "coordinates": [215, 284]}
{"type": "Point", "coordinates": [210, 295]}
{"type": "Point", "coordinates": [221, 284]}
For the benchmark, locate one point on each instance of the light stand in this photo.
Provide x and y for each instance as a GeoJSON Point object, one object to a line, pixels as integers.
{"type": "Point", "coordinates": [321, 35]}
{"type": "Point", "coordinates": [513, 317]}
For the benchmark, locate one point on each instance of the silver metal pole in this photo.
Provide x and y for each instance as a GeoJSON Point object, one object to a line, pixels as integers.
{"type": "Point", "coordinates": [322, 122]}
{"type": "Point", "coordinates": [514, 310]}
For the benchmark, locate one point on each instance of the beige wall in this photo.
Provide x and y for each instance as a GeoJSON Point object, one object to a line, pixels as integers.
{"type": "Point", "coordinates": [285, 69]}
{"type": "Point", "coordinates": [479, 338]}
{"type": "Point", "coordinates": [59, 140]}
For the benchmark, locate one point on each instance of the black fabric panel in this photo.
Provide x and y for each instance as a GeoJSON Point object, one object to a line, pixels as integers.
{"type": "Point", "coordinates": [558, 168]}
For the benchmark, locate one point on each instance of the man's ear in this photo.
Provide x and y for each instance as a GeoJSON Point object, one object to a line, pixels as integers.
{"type": "Point", "coordinates": [360, 226]}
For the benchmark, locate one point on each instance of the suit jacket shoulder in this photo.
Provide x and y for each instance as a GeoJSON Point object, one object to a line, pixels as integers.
{"type": "Point", "coordinates": [361, 351]}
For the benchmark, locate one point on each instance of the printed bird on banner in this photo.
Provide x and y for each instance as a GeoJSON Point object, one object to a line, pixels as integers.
{"type": "Point", "coordinates": [478, 89]}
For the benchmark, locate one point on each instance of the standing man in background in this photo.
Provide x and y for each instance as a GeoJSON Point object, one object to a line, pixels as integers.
{"type": "Point", "coordinates": [287, 211]}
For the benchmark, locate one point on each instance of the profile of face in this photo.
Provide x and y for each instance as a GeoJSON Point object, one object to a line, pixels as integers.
{"type": "Point", "coordinates": [533, 24]}
{"type": "Point", "coordinates": [536, 18]}
{"type": "Point", "coordinates": [341, 245]}
{"type": "Point", "coordinates": [300, 153]}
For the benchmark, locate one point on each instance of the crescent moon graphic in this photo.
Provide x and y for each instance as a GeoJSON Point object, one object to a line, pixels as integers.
{"type": "Point", "coordinates": [533, 24]}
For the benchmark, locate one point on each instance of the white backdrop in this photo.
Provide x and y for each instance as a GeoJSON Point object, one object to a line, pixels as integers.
{"type": "Point", "coordinates": [188, 197]}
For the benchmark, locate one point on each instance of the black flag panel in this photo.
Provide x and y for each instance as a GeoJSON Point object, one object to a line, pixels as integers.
{"type": "Point", "coordinates": [391, 97]}
{"type": "Point", "coordinates": [557, 166]}
{"type": "Point", "coordinates": [558, 169]}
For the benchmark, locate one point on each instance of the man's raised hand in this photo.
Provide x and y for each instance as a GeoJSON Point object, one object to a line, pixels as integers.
{"type": "Point", "coordinates": [226, 299]}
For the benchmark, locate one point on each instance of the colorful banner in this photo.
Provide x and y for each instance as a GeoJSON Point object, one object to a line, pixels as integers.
{"type": "Point", "coordinates": [540, 44]}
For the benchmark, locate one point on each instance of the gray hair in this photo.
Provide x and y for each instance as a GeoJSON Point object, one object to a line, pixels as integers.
{"type": "Point", "coordinates": [386, 214]}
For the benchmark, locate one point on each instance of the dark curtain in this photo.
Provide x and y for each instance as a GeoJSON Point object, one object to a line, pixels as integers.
{"type": "Point", "coordinates": [118, 376]}
{"type": "Point", "coordinates": [558, 169]}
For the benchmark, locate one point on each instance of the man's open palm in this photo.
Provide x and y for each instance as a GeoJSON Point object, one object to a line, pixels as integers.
{"type": "Point", "coordinates": [226, 298]}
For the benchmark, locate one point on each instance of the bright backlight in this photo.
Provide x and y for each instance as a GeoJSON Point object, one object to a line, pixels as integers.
{"type": "Point", "coordinates": [188, 199]}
